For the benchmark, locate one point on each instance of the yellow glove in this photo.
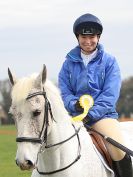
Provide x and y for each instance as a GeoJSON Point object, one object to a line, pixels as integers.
{"type": "Point", "coordinates": [86, 102]}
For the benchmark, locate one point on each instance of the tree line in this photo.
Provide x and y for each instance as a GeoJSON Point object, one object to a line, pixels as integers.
{"type": "Point", "coordinates": [124, 105]}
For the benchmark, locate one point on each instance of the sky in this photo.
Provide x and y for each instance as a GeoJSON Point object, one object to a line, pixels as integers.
{"type": "Point", "coordinates": [37, 32]}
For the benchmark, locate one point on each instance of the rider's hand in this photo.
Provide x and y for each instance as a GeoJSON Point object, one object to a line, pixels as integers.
{"type": "Point", "coordinates": [78, 107]}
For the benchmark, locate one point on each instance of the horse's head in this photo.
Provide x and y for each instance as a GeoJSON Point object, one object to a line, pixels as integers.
{"type": "Point", "coordinates": [28, 110]}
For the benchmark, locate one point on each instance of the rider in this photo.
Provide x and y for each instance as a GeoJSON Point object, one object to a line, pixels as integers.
{"type": "Point", "coordinates": [88, 69]}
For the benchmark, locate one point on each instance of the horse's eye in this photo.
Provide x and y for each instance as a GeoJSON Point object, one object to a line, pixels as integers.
{"type": "Point", "coordinates": [36, 113]}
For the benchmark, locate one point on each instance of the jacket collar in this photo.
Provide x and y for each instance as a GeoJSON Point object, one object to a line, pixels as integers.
{"type": "Point", "coordinates": [75, 54]}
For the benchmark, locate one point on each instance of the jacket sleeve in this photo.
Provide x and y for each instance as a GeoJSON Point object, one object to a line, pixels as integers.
{"type": "Point", "coordinates": [106, 101]}
{"type": "Point", "coordinates": [67, 93]}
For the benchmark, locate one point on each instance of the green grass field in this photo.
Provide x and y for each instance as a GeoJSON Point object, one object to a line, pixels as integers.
{"type": "Point", "coordinates": [8, 146]}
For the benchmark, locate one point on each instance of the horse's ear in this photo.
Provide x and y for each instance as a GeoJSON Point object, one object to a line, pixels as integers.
{"type": "Point", "coordinates": [41, 78]}
{"type": "Point", "coordinates": [12, 78]}
{"type": "Point", "coordinates": [44, 74]}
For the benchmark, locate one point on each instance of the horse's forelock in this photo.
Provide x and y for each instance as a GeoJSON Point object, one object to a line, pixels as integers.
{"type": "Point", "coordinates": [22, 88]}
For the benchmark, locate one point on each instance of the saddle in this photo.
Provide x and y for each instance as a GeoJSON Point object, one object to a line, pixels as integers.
{"type": "Point", "coordinates": [99, 142]}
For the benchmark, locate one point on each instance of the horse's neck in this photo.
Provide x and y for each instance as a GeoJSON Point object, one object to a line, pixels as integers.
{"type": "Point", "coordinates": [59, 156]}
{"type": "Point", "coordinates": [61, 129]}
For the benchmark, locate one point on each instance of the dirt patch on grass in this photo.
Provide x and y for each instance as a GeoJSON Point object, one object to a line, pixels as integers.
{"type": "Point", "coordinates": [7, 132]}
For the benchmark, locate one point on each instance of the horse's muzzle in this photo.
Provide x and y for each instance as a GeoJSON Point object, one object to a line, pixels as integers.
{"type": "Point", "coordinates": [26, 165]}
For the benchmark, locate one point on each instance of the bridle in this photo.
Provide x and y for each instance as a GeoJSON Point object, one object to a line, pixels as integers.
{"type": "Point", "coordinates": [43, 137]}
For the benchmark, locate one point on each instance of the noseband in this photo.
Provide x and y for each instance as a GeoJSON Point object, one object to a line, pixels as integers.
{"type": "Point", "coordinates": [43, 138]}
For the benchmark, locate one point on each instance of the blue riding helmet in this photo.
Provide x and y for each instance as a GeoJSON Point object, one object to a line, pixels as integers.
{"type": "Point", "coordinates": [87, 24]}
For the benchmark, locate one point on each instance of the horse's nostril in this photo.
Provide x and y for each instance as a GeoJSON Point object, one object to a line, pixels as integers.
{"type": "Point", "coordinates": [29, 162]}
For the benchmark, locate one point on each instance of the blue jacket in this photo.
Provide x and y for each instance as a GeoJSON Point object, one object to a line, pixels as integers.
{"type": "Point", "coordinates": [101, 79]}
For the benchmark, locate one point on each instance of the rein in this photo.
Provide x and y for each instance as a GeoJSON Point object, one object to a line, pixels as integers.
{"type": "Point", "coordinates": [77, 158]}
{"type": "Point", "coordinates": [43, 138]}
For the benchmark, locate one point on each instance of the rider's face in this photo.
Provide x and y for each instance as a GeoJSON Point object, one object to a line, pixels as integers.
{"type": "Point", "coordinates": [88, 43]}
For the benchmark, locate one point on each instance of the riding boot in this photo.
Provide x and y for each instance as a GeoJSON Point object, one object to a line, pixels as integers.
{"type": "Point", "coordinates": [123, 168]}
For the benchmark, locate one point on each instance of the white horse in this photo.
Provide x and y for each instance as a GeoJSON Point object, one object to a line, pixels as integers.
{"type": "Point", "coordinates": [48, 142]}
